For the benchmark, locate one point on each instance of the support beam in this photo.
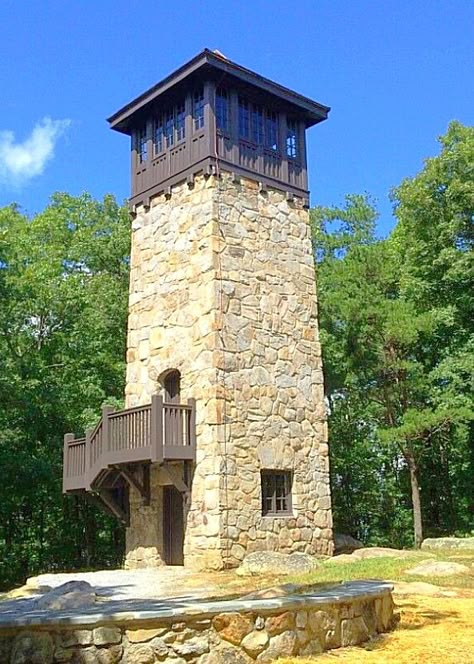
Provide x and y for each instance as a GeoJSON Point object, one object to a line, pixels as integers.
{"type": "Point", "coordinates": [107, 497]}
{"type": "Point", "coordinates": [173, 475]}
{"type": "Point", "coordinates": [142, 487]}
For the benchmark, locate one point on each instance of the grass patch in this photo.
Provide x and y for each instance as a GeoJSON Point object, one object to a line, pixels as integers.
{"type": "Point", "coordinates": [393, 569]}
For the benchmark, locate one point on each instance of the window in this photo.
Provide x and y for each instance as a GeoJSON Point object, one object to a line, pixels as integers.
{"type": "Point", "coordinates": [257, 125]}
{"type": "Point", "coordinates": [142, 147]}
{"type": "Point", "coordinates": [169, 129]}
{"type": "Point", "coordinates": [292, 139]}
{"type": "Point", "coordinates": [172, 385]}
{"type": "Point", "coordinates": [198, 109]}
{"type": "Point", "coordinates": [271, 130]}
{"type": "Point", "coordinates": [276, 492]}
{"type": "Point", "coordinates": [179, 122]}
{"type": "Point", "coordinates": [159, 136]}
{"type": "Point", "coordinates": [222, 110]}
{"type": "Point", "coordinates": [244, 118]}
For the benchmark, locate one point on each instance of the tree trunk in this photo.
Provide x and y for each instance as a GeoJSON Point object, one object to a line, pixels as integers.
{"type": "Point", "coordinates": [415, 497]}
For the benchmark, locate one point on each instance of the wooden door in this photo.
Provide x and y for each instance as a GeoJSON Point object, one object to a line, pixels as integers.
{"type": "Point", "coordinates": [173, 526]}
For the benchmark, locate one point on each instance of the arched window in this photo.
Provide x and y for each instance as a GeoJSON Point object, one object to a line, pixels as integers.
{"type": "Point", "coordinates": [172, 385]}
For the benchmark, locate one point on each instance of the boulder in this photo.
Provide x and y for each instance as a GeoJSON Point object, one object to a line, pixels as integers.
{"type": "Point", "coordinates": [420, 588]}
{"type": "Point", "coordinates": [70, 595]}
{"type": "Point", "coordinates": [382, 552]}
{"type": "Point", "coordinates": [345, 543]}
{"type": "Point", "coordinates": [448, 543]}
{"type": "Point", "coordinates": [438, 568]}
{"type": "Point", "coordinates": [272, 562]}
{"type": "Point", "coordinates": [343, 559]}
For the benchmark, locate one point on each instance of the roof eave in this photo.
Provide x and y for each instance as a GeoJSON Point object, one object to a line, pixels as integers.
{"type": "Point", "coordinates": [314, 111]}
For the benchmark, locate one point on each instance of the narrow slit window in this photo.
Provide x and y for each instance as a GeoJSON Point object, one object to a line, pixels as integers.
{"type": "Point", "coordinates": [142, 145]}
{"type": "Point", "coordinates": [292, 140]}
{"type": "Point", "coordinates": [169, 129]}
{"type": "Point", "coordinates": [244, 118]}
{"type": "Point", "coordinates": [276, 492]}
{"type": "Point", "coordinates": [159, 136]}
{"type": "Point", "coordinates": [271, 131]}
{"type": "Point", "coordinates": [198, 109]}
{"type": "Point", "coordinates": [222, 110]}
{"type": "Point", "coordinates": [180, 118]}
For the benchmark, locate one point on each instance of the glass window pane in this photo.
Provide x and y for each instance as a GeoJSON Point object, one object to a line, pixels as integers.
{"type": "Point", "coordinates": [142, 147]}
{"type": "Point", "coordinates": [169, 129]}
{"type": "Point", "coordinates": [222, 110]}
{"type": "Point", "coordinates": [159, 136]}
{"type": "Point", "coordinates": [198, 109]}
{"type": "Point", "coordinates": [271, 130]}
{"type": "Point", "coordinates": [292, 140]}
{"type": "Point", "coordinates": [244, 118]}
{"type": "Point", "coordinates": [257, 125]}
{"type": "Point", "coordinates": [179, 122]}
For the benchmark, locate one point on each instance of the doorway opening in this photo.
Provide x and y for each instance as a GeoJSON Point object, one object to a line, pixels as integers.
{"type": "Point", "coordinates": [173, 526]}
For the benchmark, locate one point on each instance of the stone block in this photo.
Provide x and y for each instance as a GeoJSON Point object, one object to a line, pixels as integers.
{"type": "Point", "coordinates": [233, 627]}
{"type": "Point", "coordinates": [107, 635]}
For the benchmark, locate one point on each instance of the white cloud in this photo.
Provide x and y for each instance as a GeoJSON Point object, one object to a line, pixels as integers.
{"type": "Point", "coordinates": [20, 162]}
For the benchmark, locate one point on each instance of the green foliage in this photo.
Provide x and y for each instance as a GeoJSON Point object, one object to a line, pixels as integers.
{"type": "Point", "coordinates": [63, 287]}
{"type": "Point", "coordinates": [397, 344]}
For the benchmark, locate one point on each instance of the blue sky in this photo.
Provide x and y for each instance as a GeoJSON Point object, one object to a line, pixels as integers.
{"type": "Point", "coordinates": [395, 72]}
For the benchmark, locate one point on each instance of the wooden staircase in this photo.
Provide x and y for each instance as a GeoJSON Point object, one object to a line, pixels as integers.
{"type": "Point", "coordinates": [118, 452]}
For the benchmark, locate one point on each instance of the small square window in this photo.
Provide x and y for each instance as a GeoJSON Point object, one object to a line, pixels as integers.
{"type": "Point", "coordinates": [276, 492]}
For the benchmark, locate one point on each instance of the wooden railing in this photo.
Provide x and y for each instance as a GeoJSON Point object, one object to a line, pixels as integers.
{"type": "Point", "coordinates": [153, 433]}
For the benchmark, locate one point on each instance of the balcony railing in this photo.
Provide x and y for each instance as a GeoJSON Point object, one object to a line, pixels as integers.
{"type": "Point", "coordinates": [153, 433]}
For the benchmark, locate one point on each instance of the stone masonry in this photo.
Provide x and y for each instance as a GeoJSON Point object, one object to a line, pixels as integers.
{"type": "Point", "coordinates": [223, 289]}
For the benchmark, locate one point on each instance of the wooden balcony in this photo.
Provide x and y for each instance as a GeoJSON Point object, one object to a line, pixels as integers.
{"type": "Point", "coordinates": [153, 433]}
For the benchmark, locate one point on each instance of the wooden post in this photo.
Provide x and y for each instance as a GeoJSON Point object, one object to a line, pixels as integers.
{"type": "Point", "coordinates": [156, 428]}
{"type": "Point", "coordinates": [106, 437]}
{"type": "Point", "coordinates": [192, 423]}
{"type": "Point", "coordinates": [68, 438]}
{"type": "Point", "coordinates": [88, 464]}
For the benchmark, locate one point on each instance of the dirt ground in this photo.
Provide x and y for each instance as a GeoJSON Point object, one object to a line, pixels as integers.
{"type": "Point", "coordinates": [432, 630]}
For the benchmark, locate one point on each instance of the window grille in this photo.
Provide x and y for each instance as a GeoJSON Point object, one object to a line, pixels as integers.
{"type": "Point", "coordinates": [276, 492]}
{"type": "Point", "coordinates": [180, 118]}
{"type": "Point", "coordinates": [159, 136]}
{"type": "Point", "coordinates": [292, 139]}
{"type": "Point", "coordinates": [244, 118]}
{"type": "Point", "coordinates": [169, 129]}
{"type": "Point", "coordinates": [271, 130]}
{"type": "Point", "coordinates": [142, 147]}
{"type": "Point", "coordinates": [198, 109]}
{"type": "Point", "coordinates": [257, 125]}
{"type": "Point", "coordinates": [222, 110]}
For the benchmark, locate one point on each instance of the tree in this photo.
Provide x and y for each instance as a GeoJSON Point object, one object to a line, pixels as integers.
{"type": "Point", "coordinates": [396, 328]}
{"type": "Point", "coordinates": [63, 287]}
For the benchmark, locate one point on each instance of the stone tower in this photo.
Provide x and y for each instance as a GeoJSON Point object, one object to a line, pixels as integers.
{"type": "Point", "coordinates": [223, 316]}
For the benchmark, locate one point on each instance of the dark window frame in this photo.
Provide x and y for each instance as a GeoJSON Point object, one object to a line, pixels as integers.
{"type": "Point", "coordinates": [142, 145]}
{"type": "Point", "coordinates": [159, 135]}
{"type": "Point", "coordinates": [292, 148]}
{"type": "Point", "coordinates": [198, 109]}
{"type": "Point", "coordinates": [180, 122]}
{"type": "Point", "coordinates": [222, 110]}
{"type": "Point", "coordinates": [276, 486]}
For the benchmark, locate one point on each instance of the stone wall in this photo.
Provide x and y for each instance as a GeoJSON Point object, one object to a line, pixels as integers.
{"type": "Point", "coordinates": [261, 631]}
{"type": "Point", "coordinates": [223, 289]}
